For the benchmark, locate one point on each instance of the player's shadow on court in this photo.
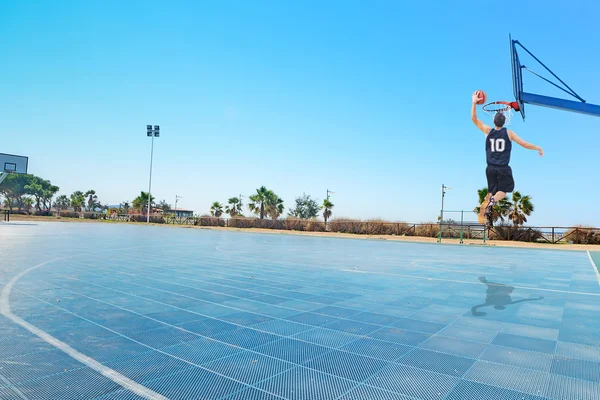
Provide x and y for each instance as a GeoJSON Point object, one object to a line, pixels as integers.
{"type": "Point", "coordinates": [498, 296]}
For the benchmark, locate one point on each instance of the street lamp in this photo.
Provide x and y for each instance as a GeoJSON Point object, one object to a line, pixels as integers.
{"type": "Point", "coordinates": [151, 133]}
{"type": "Point", "coordinates": [444, 188]}
{"type": "Point", "coordinates": [177, 197]}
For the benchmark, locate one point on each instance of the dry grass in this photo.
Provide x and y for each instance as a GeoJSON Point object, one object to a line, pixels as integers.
{"type": "Point", "coordinates": [583, 234]}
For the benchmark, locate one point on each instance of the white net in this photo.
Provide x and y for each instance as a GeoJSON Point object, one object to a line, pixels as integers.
{"type": "Point", "coordinates": [492, 109]}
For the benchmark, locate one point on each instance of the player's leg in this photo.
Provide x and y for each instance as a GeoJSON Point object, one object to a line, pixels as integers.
{"type": "Point", "coordinates": [492, 181]}
{"type": "Point", "coordinates": [506, 182]}
{"type": "Point", "coordinates": [499, 195]}
{"type": "Point", "coordinates": [483, 207]}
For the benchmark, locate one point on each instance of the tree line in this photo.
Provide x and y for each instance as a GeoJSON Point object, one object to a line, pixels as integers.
{"type": "Point", "coordinates": [265, 203]}
{"type": "Point", "coordinates": [25, 192]}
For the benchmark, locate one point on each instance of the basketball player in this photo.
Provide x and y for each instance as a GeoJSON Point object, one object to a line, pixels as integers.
{"type": "Point", "coordinates": [498, 146]}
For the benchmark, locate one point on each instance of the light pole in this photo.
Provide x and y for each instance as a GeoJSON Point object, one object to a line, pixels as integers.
{"type": "Point", "coordinates": [444, 188]}
{"type": "Point", "coordinates": [177, 197]}
{"type": "Point", "coordinates": [325, 216]}
{"type": "Point", "coordinates": [151, 133]}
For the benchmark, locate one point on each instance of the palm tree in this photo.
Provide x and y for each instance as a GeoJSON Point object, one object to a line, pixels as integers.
{"type": "Point", "coordinates": [77, 200]}
{"type": "Point", "coordinates": [61, 203]}
{"type": "Point", "coordinates": [259, 201]}
{"type": "Point", "coordinates": [500, 210]}
{"type": "Point", "coordinates": [141, 202]}
{"type": "Point", "coordinates": [234, 206]}
{"type": "Point", "coordinates": [521, 206]}
{"type": "Point", "coordinates": [327, 206]}
{"type": "Point", "coordinates": [92, 200]}
{"type": "Point", "coordinates": [275, 205]}
{"type": "Point", "coordinates": [216, 210]}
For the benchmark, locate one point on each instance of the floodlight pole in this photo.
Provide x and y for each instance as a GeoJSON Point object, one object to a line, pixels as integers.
{"type": "Point", "coordinates": [443, 194]}
{"type": "Point", "coordinates": [177, 197]}
{"type": "Point", "coordinates": [152, 133]}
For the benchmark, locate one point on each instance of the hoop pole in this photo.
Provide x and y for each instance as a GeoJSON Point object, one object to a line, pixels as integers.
{"type": "Point", "coordinates": [440, 230]}
{"type": "Point", "coordinates": [461, 226]}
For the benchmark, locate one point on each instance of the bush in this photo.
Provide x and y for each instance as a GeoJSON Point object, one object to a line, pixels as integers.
{"type": "Point", "coordinates": [137, 218]}
{"type": "Point", "coordinates": [581, 234]}
{"type": "Point", "coordinates": [427, 230]}
{"type": "Point", "coordinates": [209, 221]}
{"type": "Point", "coordinates": [68, 214]}
{"type": "Point", "coordinates": [93, 215]}
{"type": "Point", "coordinates": [239, 222]}
{"type": "Point", "coordinates": [507, 231]}
{"type": "Point", "coordinates": [370, 227]}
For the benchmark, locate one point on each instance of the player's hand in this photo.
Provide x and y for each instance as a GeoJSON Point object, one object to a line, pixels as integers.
{"type": "Point", "coordinates": [475, 98]}
{"type": "Point", "coordinates": [541, 152]}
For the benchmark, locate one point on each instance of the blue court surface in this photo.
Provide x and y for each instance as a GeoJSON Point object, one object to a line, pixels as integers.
{"type": "Point", "coordinates": [116, 311]}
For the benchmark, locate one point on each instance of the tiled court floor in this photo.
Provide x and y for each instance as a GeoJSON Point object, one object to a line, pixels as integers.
{"type": "Point", "coordinates": [200, 314]}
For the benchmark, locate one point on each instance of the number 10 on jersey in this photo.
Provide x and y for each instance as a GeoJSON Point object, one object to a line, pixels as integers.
{"type": "Point", "coordinates": [497, 145]}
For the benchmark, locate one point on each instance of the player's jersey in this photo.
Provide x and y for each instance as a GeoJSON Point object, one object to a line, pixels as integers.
{"type": "Point", "coordinates": [498, 147]}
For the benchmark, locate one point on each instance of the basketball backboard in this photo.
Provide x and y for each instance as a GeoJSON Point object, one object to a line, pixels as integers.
{"type": "Point", "coordinates": [13, 163]}
{"type": "Point", "coordinates": [522, 97]}
{"type": "Point", "coordinates": [517, 76]}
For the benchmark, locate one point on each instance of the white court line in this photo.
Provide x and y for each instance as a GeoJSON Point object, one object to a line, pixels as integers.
{"type": "Point", "coordinates": [594, 266]}
{"type": "Point", "coordinates": [469, 282]}
{"type": "Point", "coordinates": [14, 389]}
{"type": "Point", "coordinates": [90, 362]}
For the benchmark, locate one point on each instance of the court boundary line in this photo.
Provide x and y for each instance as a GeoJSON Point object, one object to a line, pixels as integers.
{"type": "Point", "coordinates": [10, 386]}
{"type": "Point", "coordinates": [200, 336]}
{"type": "Point", "coordinates": [468, 282]}
{"type": "Point", "coordinates": [596, 270]}
{"type": "Point", "coordinates": [107, 372]}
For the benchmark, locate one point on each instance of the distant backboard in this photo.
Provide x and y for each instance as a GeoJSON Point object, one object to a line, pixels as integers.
{"type": "Point", "coordinates": [13, 163]}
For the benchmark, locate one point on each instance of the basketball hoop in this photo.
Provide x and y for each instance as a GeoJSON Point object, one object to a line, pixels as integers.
{"type": "Point", "coordinates": [504, 107]}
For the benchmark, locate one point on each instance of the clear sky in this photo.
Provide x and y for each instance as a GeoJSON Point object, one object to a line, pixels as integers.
{"type": "Point", "coordinates": [368, 99]}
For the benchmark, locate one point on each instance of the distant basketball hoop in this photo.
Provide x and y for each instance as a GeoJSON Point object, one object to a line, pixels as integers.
{"type": "Point", "coordinates": [12, 164]}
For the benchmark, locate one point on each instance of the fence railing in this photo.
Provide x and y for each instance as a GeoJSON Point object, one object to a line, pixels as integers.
{"type": "Point", "coordinates": [464, 230]}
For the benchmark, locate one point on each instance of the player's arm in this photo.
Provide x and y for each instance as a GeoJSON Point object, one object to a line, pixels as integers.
{"type": "Point", "coordinates": [479, 123]}
{"type": "Point", "coordinates": [514, 137]}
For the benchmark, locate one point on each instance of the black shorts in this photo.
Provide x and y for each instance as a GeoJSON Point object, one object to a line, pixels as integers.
{"type": "Point", "coordinates": [500, 179]}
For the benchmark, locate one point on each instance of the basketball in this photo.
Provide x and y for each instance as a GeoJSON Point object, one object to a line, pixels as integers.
{"type": "Point", "coordinates": [482, 95]}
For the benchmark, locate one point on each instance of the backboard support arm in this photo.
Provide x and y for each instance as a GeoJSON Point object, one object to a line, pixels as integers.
{"type": "Point", "coordinates": [3, 176]}
{"type": "Point", "coordinates": [523, 97]}
{"type": "Point", "coordinates": [561, 104]}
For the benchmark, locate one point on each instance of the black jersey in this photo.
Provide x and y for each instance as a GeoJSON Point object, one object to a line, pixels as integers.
{"type": "Point", "coordinates": [498, 147]}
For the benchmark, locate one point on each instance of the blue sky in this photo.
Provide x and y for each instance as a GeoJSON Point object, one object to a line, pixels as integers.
{"type": "Point", "coordinates": [370, 100]}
